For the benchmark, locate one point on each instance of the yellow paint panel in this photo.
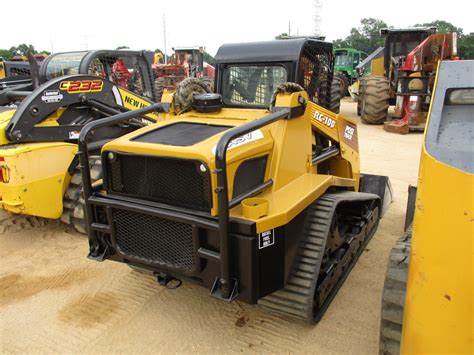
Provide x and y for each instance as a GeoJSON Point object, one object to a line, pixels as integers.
{"type": "Point", "coordinates": [439, 302]}
{"type": "Point", "coordinates": [38, 177]}
{"type": "Point", "coordinates": [377, 67]}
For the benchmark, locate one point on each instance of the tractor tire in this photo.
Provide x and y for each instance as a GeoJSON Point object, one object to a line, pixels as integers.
{"type": "Point", "coordinates": [393, 298]}
{"type": "Point", "coordinates": [159, 88]}
{"type": "Point", "coordinates": [360, 96]}
{"type": "Point", "coordinates": [343, 83]}
{"type": "Point", "coordinates": [73, 201]}
{"type": "Point", "coordinates": [335, 104]}
{"type": "Point", "coordinates": [375, 101]}
{"type": "Point", "coordinates": [209, 82]}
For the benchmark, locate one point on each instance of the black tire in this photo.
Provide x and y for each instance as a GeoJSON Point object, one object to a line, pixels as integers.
{"type": "Point", "coordinates": [185, 91]}
{"type": "Point", "coordinates": [335, 105]}
{"type": "Point", "coordinates": [159, 88]}
{"type": "Point", "coordinates": [393, 298]}
{"type": "Point", "coordinates": [73, 201]}
{"type": "Point", "coordinates": [343, 83]}
{"type": "Point", "coordinates": [209, 83]}
{"type": "Point", "coordinates": [375, 101]}
{"type": "Point", "coordinates": [360, 96]}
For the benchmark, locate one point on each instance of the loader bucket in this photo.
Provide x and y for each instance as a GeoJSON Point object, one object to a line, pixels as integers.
{"type": "Point", "coordinates": [379, 185]}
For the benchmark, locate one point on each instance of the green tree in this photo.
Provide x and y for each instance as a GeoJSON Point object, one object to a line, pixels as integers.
{"type": "Point", "coordinates": [366, 37]}
{"type": "Point", "coordinates": [441, 26]}
{"type": "Point", "coordinates": [209, 58]}
{"type": "Point", "coordinates": [23, 49]}
{"type": "Point", "coordinates": [5, 54]}
{"type": "Point", "coordinates": [282, 36]}
{"type": "Point", "coordinates": [466, 46]}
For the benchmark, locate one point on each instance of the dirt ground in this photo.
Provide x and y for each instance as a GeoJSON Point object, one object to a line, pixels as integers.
{"type": "Point", "coordinates": [54, 300]}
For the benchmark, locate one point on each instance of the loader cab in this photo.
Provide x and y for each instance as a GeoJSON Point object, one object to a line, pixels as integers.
{"type": "Point", "coordinates": [128, 69]}
{"type": "Point", "coordinates": [347, 59]}
{"type": "Point", "coordinates": [249, 73]}
{"type": "Point", "coordinates": [400, 42]}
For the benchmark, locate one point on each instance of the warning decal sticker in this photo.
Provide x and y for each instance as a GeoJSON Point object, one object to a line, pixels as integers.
{"type": "Point", "coordinates": [266, 239]}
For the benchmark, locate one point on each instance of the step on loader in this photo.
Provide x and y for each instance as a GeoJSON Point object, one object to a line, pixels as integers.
{"type": "Point", "coordinates": [255, 193]}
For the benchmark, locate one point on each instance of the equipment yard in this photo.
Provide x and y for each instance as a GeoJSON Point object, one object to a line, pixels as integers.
{"type": "Point", "coordinates": [54, 300]}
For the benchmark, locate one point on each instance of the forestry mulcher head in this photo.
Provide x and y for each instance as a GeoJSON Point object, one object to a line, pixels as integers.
{"type": "Point", "coordinates": [263, 206]}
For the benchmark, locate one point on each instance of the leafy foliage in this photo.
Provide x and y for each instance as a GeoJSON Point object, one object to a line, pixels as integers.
{"type": "Point", "coordinates": [5, 54]}
{"type": "Point", "coordinates": [441, 26]}
{"type": "Point", "coordinates": [466, 46]}
{"type": "Point", "coordinates": [366, 37]}
{"type": "Point", "coordinates": [23, 49]}
{"type": "Point", "coordinates": [209, 58]}
{"type": "Point", "coordinates": [282, 36]}
{"type": "Point", "coordinates": [20, 50]}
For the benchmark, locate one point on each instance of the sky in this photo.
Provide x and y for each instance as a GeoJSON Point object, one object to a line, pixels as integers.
{"type": "Point", "coordinates": [58, 26]}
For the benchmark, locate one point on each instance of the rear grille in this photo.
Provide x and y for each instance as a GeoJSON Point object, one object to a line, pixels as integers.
{"type": "Point", "coordinates": [177, 182]}
{"type": "Point", "coordinates": [154, 240]}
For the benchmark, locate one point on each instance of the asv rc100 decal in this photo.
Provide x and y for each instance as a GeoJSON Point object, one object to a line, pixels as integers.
{"type": "Point", "coordinates": [325, 120]}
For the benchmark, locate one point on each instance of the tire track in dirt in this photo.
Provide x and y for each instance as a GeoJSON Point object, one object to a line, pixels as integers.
{"type": "Point", "coordinates": [15, 287]}
{"type": "Point", "coordinates": [82, 320]}
{"type": "Point", "coordinates": [268, 333]}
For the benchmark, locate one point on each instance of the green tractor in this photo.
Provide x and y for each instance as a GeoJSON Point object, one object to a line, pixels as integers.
{"type": "Point", "coordinates": [345, 66]}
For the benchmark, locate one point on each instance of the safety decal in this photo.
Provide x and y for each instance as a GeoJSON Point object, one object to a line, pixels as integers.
{"type": "Point", "coordinates": [51, 96]}
{"type": "Point", "coordinates": [266, 239]}
{"type": "Point", "coordinates": [81, 86]}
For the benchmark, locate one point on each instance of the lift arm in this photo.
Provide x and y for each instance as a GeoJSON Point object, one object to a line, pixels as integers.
{"type": "Point", "coordinates": [82, 98]}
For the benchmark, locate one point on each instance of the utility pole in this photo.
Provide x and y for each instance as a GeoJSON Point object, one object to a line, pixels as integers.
{"type": "Point", "coordinates": [164, 37]}
{"type": "Point", "coordinates": [317, 17]}
{"type": "Point", "coordinates": [289, 28]}
{"type": "Point", "coordinates": [86, 43]}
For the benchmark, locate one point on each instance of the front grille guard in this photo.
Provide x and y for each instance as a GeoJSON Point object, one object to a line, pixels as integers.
{"type": "Point", "coordinates": [224, 286]}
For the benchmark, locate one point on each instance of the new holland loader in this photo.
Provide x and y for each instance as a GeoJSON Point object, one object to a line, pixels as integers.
{"type": "Point", "coordinates": [39, 128]}
{"type": "Point", "coordinates": [427, 304]}
{"type": "Point", "coordinates": [255, 194]}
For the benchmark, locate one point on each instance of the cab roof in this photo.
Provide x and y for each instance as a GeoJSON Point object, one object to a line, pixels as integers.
{"type": "Point", "coordinates": [284, 50]}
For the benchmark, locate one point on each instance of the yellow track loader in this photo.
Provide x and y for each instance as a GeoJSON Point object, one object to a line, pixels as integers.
{"type": "Point", "coordinates": [257, 197]}
{"type": "Point", "coordinates": [427, 304]}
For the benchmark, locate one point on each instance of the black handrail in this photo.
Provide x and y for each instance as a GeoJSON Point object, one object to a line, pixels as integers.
{"type": "Point", "coordinates": [222, 190]}
{"type": "Point", "coordinates": [326, 154]}
{"type": "Point", "coordinates": [83, 151]}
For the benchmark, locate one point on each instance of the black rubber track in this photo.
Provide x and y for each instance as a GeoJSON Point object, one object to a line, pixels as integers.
{"type": "Point", "coordinates": [296, 298]}
{"type": "Point", "coordinates": [393, 299]}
